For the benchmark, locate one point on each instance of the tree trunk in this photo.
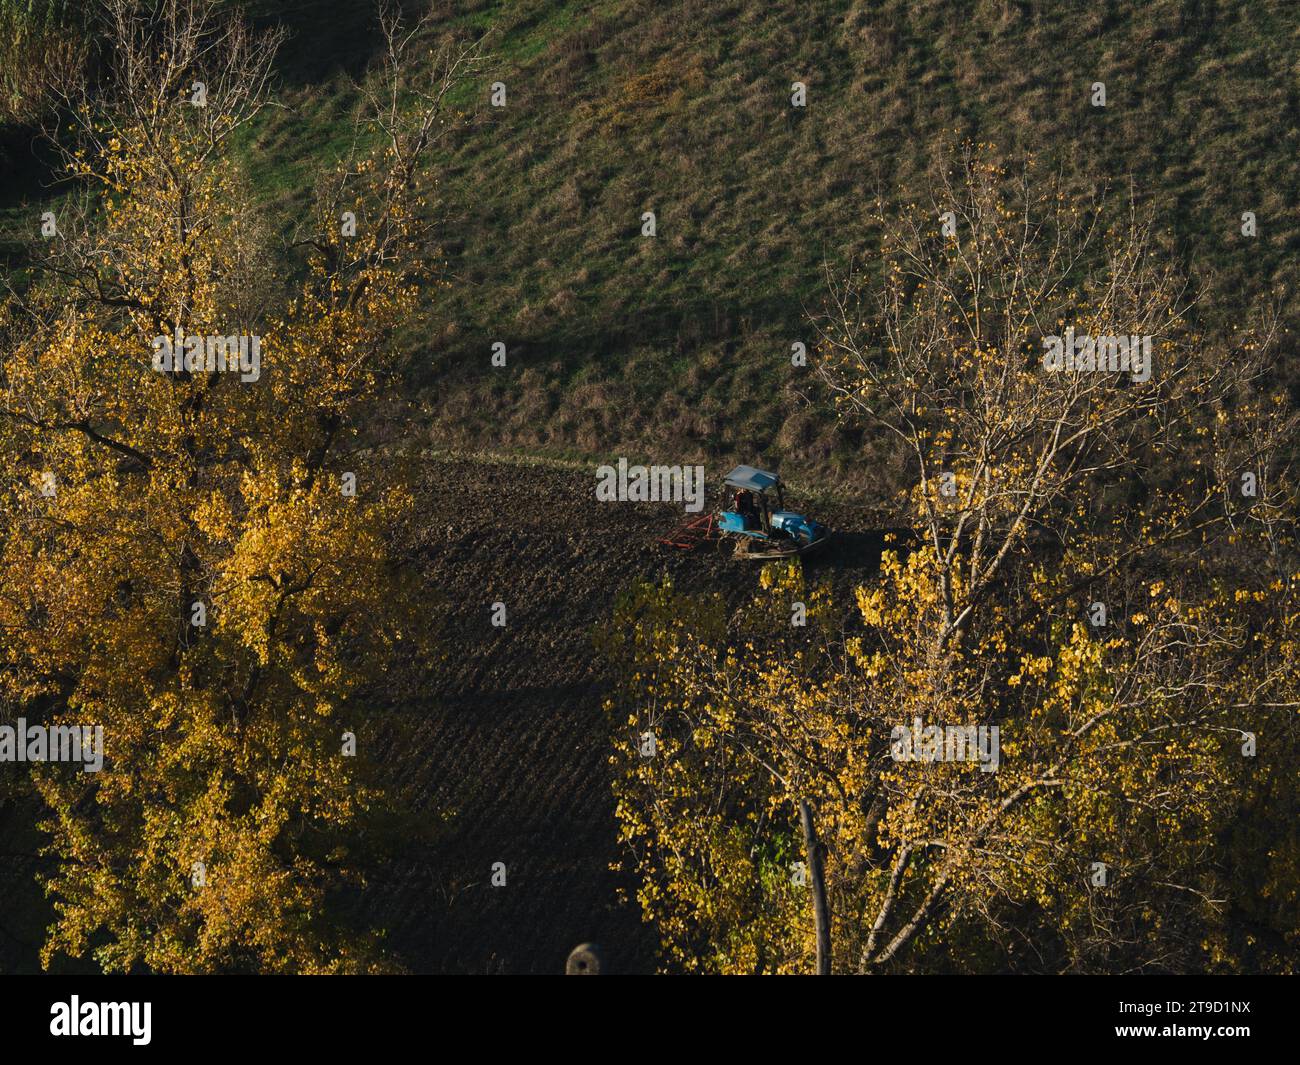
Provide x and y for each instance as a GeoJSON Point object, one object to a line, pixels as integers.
{"type": "Point", "coordinates": [821, 916]}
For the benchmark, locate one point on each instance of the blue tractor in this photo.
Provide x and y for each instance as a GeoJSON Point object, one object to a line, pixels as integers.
{"type": "Point", "coordinates": [751, 522]}
{"type": "Point", "coordinates": [753, 518]}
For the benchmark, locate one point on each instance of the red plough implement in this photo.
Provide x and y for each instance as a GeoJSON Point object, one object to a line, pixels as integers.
{"type": "Point", "coordinates": [697, 531]}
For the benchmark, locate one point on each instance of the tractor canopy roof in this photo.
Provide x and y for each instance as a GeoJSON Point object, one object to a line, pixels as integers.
{"type": "Point", "coordinates": [752, 480]}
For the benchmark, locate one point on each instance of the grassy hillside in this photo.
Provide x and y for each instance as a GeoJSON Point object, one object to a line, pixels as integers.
{"type": "Point", "coordinates": [679, 344]}
{"type": "Point", "coordinates": [618, 342]}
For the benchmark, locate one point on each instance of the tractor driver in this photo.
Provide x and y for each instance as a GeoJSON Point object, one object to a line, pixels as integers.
{"type": "Point", "coordinates": [744, 504]}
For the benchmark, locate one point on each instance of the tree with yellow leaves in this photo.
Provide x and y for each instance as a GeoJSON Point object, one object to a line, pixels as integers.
{"type": "Point", "coordinates": [199, 550]}
{"type": "Point", "coordinates": [1060, 701]}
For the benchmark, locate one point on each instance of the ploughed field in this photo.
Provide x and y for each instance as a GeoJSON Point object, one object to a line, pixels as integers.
{"type": "Point", "coordinates": [516, 742]}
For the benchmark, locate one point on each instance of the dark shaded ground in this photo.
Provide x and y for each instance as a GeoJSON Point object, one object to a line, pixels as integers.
{"type": "Point", "coordinates": [24, 912]}
{"type": "Point", "coordinates": [516, 741]}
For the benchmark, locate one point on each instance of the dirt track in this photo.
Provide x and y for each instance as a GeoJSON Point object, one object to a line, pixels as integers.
{"type": "Point", "coordinates": [516, 740]}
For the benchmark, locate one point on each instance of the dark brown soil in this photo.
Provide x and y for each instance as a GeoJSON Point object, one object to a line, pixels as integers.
{"type": "Point", "coordinates": [516, 740]}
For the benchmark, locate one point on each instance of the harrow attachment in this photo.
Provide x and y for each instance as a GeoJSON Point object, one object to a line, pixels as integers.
{"type": "Point", "coordinates": [693, 534]}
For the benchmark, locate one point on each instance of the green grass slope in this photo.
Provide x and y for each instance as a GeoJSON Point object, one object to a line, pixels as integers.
{"type": "Point", "coordinates": [677, 347]}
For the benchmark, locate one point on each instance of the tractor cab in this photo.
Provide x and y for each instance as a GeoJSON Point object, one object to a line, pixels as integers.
{"type": "Point", "coordinates": [746, 505]}
{"type": "Point", "coordinates": [753, 511]}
